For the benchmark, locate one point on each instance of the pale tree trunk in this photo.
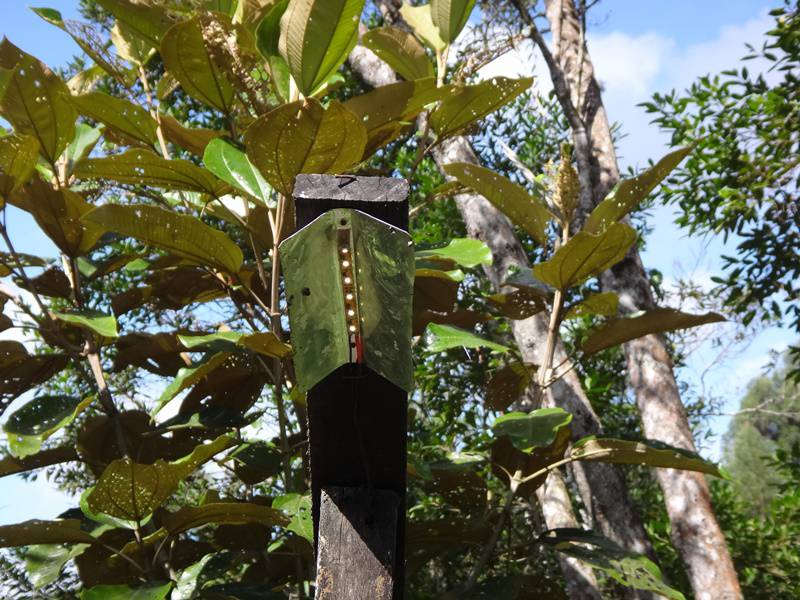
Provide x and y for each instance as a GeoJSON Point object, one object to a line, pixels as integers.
{"type": "Point", "coordinates": [696, 534]}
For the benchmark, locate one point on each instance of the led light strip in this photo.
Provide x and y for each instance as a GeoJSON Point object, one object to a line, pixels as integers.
{"type": "Point", "coordinates": [346, 260]}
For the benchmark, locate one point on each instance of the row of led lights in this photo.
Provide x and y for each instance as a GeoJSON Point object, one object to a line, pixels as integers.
{"type": "Point", "coordinates": [349, 295]}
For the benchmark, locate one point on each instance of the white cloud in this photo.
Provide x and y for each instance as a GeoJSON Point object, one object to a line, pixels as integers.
{"type": "Point", "coordinates": [628, 64]}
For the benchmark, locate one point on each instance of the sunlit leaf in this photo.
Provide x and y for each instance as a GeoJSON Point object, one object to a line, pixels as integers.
{"type": "Point", "coordinates": [231, 513]}
{"type": "Point", "coordinates": [122, 116]}
{"type": "Point", "coordinates": [536, 429]}
{"type": "Point", "coordinates": [512, 199]}
{"type": "Point", "coordinates": [469, 104]}
{"type": "Point", "coordinates": [400, 50]}
{"type": "Point", "coordinates": [18, 154]}
{"type": "Point", "coordinates": [44, 562]}
{"type": "Point", "coordinates": [265, 343]}
{"type": "Point", "coordinates": [317, 37]}
{"type": "Point", "coordinates": [182, 235]}
{"type": "Point", "coordinates": [31, 424]}
{"type": "Point", "coordinates": [66, 531]}
{"type": "Point", "coordinates": [298, 508]}
{"type": "Point", "coordinates": [450, 16]}
{"type": "Point", "coordinates": [192, 139]}
{"type": "Point", "coordinates": [130, 46]}
{"type": "Point", "coordinates": [147, 21]}
{"type": "Point", "coordinates": [467, 252]}
{"type": "Point", "coordinates": [420, 20]}
{"type": "Point", "coordinates": [444, 337]}
{"type": "Point", "coordinates": [187, 377]}
{"type": "Point", "coordinates": [628, 193]}
{"type": "Point", "coordinates": [149, 591]}
{"type": "Point", "coordinates": [462, 318]}
{"type": "Point", "coordinates": [604, 304]}
{"type": "Point", "coordinates": [101, 323]}
{"type": "Point", "coordinates": [586, 255]}
{"type": "Point", "coordinates": [36, 102]}
{"type": "Point", "coordinates": [657, 320]}
{"type": "Point", "coordinates": [302, 137]}
{"type": "Point", "coordinates": [86, 138]}
{"type": "Point", "coordinates": [231, 165]}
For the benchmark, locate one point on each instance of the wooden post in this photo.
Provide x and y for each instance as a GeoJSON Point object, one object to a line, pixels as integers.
{"type": "Point", "coordinates": [357, 432]}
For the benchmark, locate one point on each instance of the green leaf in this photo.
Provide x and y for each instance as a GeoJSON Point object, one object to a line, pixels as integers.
{"type": "Point", "coordinates": [265, 343]}
{"type": "Point", "coordinates": [31, 424]}
{"type": "Point", "coordinates": [604, 304]}
{"type": "Point", "coordinates": [146, 21]}
{"type": "Point", "coordinates": [36, 102]}
{"type": "Point", "coordinates": [66, 531]}
{"type": "Point", "coordinates": [18, 154]}
{"type": "Point", "coordinates": [317, 37]}
{"type": "Point", "coordinates": [401, 51]}
{"type": "Point", "coordinates": [298, 508]}
{"type": "Point", "coordinates": [253, 462]}
{"type": "Point", "coordinates": [149, 591]}
{"type": "Point", "coordinates": [187, 377]}
{"type": "Point", "coordinates": [102, 324]}
{"type": "Point", "coordinates": [190, 582]}
{"type": "Point", "coordinates": [192, 139]}
{"type": "Point", "coordinates": [651, 453]}
{"type": "Point", "coordinates": [129, 46]}
{"type": "Point", "coordinates": [586, 255]}
{"type": "Point", "coordinates": [467, 252]}
{"type": "Point", "coordinates": [524, 209]}
{"type": "Point", "coordinates": [302, 137]}
{"type": "Point", "coordinates": [182, 235]}
{"type": "Point", "coordinates": [657, 320]}
{"type": "Point", "coordinates": [536, 429]}
{"type": "Point", "coordinates": [232, 513]}
{"type": "Point", "coordinates": [122, 116]}
{"type": "Point", "coordinates": [232, 166]}
{"type": "Point", "coordinates": [420, 20]}
{"type": "Point", "coordinates": [143, 167]}
{"type": "Point", "coordinates": [468, 104]}
{"type": "Point", "coordinates": [444, 337]}
{"type": "Point", "coordinates": [630, 569]}
{"type": "Point", "coordinates": [450, 16]}
{"type": "Point", "coordinates": [131, 491]}
{"type": "Point", "coordinates": [188, 60]}
{"type": "Point", "coordinates": [43, 562]}
{"type": "Point", "coordinates": [268, 32]}
{"type": "Point", "coordinates": [83, 143]}
{"type": "Point", "coordinates": [628, 193]}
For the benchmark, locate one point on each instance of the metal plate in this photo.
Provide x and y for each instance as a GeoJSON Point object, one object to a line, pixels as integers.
{"type": "Point", "coordinates": [379, 262]}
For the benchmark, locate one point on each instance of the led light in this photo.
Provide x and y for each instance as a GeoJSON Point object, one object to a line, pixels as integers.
{"type": "Point", "coordinates": [352, 328]}
{"type": "Point", "coordinates": [347, 281]}
{"type": "Point", "coordinates": [345, 250]}
{"type": "Point", "coordinates": [351, 313]}
{"type": "Point", "coordinates": [345, 264]}
{"type": "Point", "coordinates": [349, 297]}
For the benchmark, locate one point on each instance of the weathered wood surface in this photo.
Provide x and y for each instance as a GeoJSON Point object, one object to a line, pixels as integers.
{"type": "Point", "coordinates": [357, 544]}
{"type": "Point", "coordinates": [357, 420]}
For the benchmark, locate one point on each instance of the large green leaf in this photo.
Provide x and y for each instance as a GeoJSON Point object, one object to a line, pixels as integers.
{"type": "Point", "coordinates": [604, 304]}
{"type": "Point", "coordinates": [651, 453]}
{"type": "Point", "coordinates": [450, 16]}
{"type": "Point", "coordinates": [188, 376]}
{"type": "Point", "coordinates": [131, 491]}
{"type": "Point", "coordinates": [182, 235]}
{"type": "Point", "coordinates": [101, 323]}
{"type": "Point", "coordinates": [467, 252]}
{"type": "Point", "coordinates": [192, 139]}
{"type": "Point", "coordinates": [586, 255]}
{"type": "Point", "coordinates": [420, 20]}
{"type": "Point", "coordinates": [232, 166]}
{"type": "Point", "coordinates": [630, 569]}
{"type": "Point", "coordinates": [298, 508]}
{"type": "Point", "coordinates": [121, 116]}
{"type": "Point", "coordinates": [469, 104]}
{"type": "Point", "coordinates": [143, 167]}
{"type": "Point", "coordinates": [316, 38]}
{"type": "Point", "coordinates": [149, 591]}
{"type": "Point", "coordinates": [86, 138]}
{"type": "Point", "coordinates": [400, 50]}
{"type": "Point", "coordinates": [187, 59]}
{"type": "Point", "coordinates": [36, 102]}
{"type": "Point", "coordinates": [628, 193]}
{"type": "Point", "coordinates": [148, 22]}
{"type": "Point", "coordinates": [444, 337]}
{"type": "Point", "coordinates": [527, 211]}
{"type": "Point", "coordinates": [265, 343]}
{"type": "Point", "coordinates": [302, 137]}
{"type": "Point", "coordinates": [231, 513]}
{"type": "Point", "coordinates": [44, 562]}
{"type": "Point", "coordinates": [31, 424]}
{"type": "Point", "coordinates": [66, 531]}
{"type": "Point", "coordinates": [657, 320]}
{"type": "Point", "coordinates": [18, 154]}
{"type": "Point", "coordinates": [268, 36]}
{"type": "Point", "coordinates": [536, 429]}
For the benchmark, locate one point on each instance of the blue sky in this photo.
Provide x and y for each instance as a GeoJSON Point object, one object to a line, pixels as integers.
{"type": "Point", "coordinates": [638, 47]}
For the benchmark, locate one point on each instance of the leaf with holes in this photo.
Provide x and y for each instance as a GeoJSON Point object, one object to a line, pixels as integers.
{"type": "Point", "coordinates": [36, 102]}
{"type": "Point", "coordinates": [435, 290]}
{"type": "Point", "coordinates": [123, 117]}
{"type": "Point", "coordinates": [232, 166]}
{"type": "Point", "coordinates": [586, 255]}
{"type": "Point", "coordinates": [187, 58]}
{"type": "Point", "coordinates": [298, 508]}
{"type": "Point", "coordinates": [466, 105]}
{"type": "Point", "coordinates": [507, 384]}
{"type": "Point", "coordinates": [302, 137]}
{"type": "Point", "coordinates": [657, 320]}
{"type": "Point", "coordinates": [450, 16]}
{"type": "Point", "coordinates": [420, 19]}
{"type": "Point", "coordinates": [524, 209]}
{"type": "Point", "coordinates": [31, 424]}
{"type": "Point", "coordinates": [143, 167]}
{"type": "Point", "coordinates": [317, 37]}
{"type": "Point", "coordinates": [400, 50]}
{"type": "Point", "coordinates": [148, 22]}
{"type": "Point", "coordinates": [467, 252]}
{"type": "Point", "coordinates": [629, 193]}
{"type": "Point", "coordinates": [18, 154]}
{"type": "Point", "coordinates": [604, 304]}
{"type": "Point", "coordinates": [445, 337]}
{"type": "Point", "coordinates": [182, 235]}
{"type": "Point", "coordinates": [131, 491]}
{"type": "Point", "coordinates": [651, 453]}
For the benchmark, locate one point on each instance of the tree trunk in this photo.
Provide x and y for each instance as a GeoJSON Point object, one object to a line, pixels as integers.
{"type": "Point", "coordinates": [696, 533]}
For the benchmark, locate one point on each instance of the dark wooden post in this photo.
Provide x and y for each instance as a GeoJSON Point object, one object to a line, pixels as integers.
{"type": "Point", "coordinates": [357, 432]}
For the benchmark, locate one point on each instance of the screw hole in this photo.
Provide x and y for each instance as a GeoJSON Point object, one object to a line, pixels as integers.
{"type": "Point", "coordinates": [306, 292]}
